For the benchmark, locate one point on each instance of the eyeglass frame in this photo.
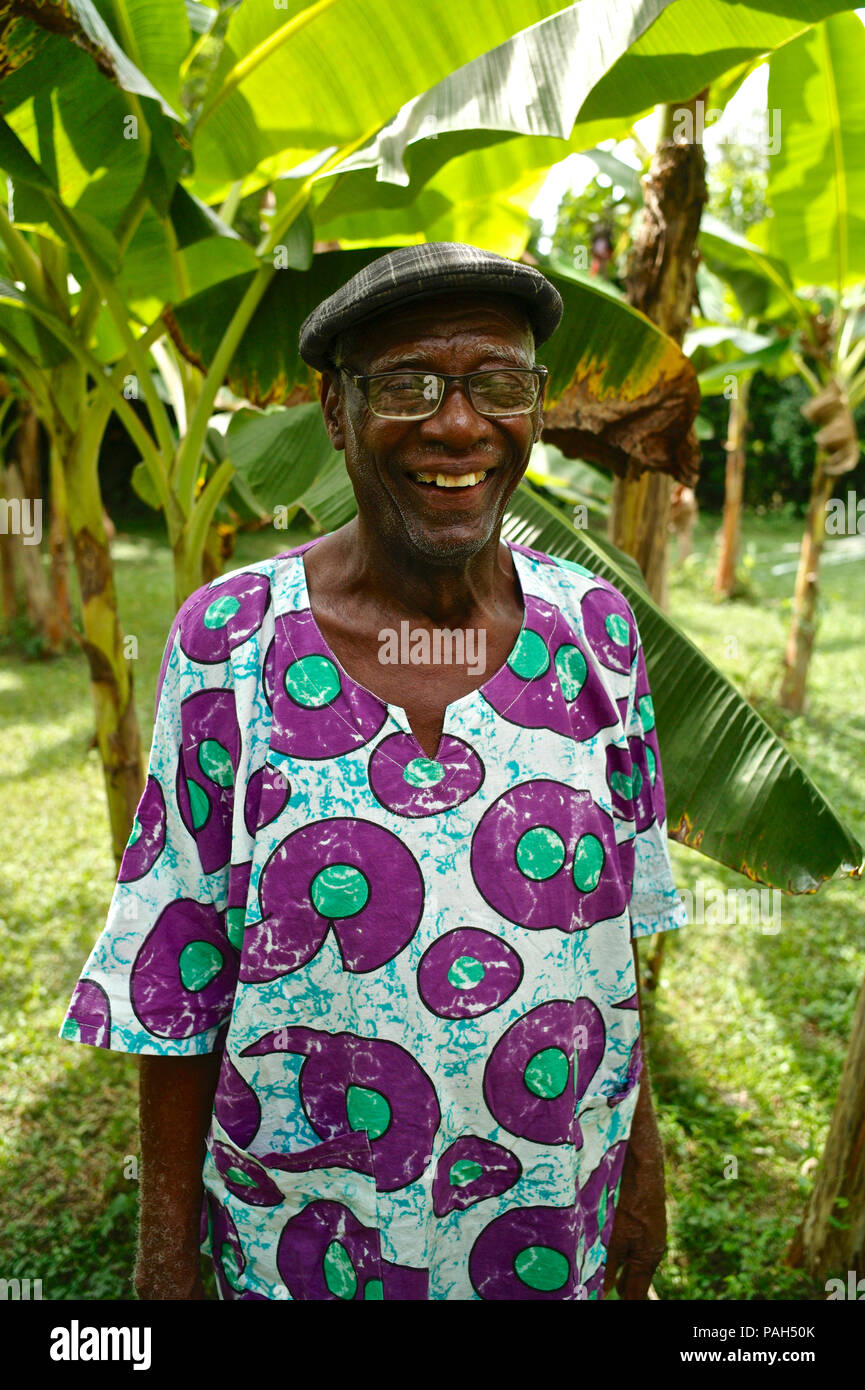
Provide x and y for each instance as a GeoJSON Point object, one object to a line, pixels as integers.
{"type": "Point", "coordinates": [540, 373]}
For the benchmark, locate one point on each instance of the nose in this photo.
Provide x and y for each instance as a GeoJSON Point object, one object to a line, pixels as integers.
{"type": "Point", "coordinates": [456, 422]}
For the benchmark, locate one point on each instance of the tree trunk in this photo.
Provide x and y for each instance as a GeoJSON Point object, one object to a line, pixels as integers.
{"type": "Point", "coordinates": [661, 283]}
{"type": "Point", "coordinates": [831, 1239]}
{"type": "Point", "coordinates": [837, 453]}
{"type": "Point", "coordinates": [734, 487]}
{"type": "Point", "coordinates": [803, 629]}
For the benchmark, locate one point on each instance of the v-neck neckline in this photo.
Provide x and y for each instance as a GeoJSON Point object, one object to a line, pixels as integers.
{"type": "Point", "coordinates": [396, 712]}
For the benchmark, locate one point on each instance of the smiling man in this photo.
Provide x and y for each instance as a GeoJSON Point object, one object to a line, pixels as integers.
{"type": "Point", "coordinates": [373, 932]}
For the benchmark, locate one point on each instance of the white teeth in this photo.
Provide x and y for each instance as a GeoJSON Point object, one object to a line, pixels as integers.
{"type": "Point", "coordinates": [442, 479]}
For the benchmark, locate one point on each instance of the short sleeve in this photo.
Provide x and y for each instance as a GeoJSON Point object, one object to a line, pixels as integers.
{"type": "Point", "coordinates": [162, 975]}
{"type": "Point", "coordinates": [655, 905]}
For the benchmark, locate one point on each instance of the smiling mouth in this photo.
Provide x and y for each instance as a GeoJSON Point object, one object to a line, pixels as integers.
{"type": "Point", "coordinates": [450, 480]}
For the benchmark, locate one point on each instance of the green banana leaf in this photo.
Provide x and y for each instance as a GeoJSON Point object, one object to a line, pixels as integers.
{"type": "Point", "coordinates": [294, 80]}
{"type": "Point", "coordinates": [761, 282]}
{"type": "Point", "coordinates": [583, 75]}
{"type": "Point", "coordinates": [817, 178]}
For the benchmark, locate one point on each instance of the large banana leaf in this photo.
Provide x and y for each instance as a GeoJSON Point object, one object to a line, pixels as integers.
{"type": "Point", "coordinates": [584, 75]}
{"type": "Point", "coordinates": [817, 178]}
{"type": "Point", "coordinates": [295, 79]}
{"type": "Point", "coordinates": [481, 197]}
{"type": "Point", "coordinates": [734, 792]}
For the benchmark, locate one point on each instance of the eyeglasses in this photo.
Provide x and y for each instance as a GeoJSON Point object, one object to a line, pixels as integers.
{"type": "Point", "coordinates": [418, 395]}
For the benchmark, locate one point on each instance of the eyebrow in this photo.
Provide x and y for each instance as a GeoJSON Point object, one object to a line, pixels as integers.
{"type": "Point", "coordinates": [398, 359]}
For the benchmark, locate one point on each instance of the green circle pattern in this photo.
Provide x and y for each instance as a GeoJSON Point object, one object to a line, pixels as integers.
{"type": "Point", "coordinates": [466, 972]}
{"type": "Point", "coordinates": [540, 1267]}
{"type": "Point", "coordinates": [312, 681]}
{"type": "Point", "coordinates": [588, 863]}
{"type": "Point", "coordinates": [530, 657]}
{"type": "Point", "coordinates": [339, 891]}
{"type": "Point", "coordinates": [220, 611]}
{"type": "Point", "coordinates": [571, 669]}
{"type": "Point", "coordinates": [423, 772]}
{"type": "Point", "coordinates": [540, 852]}
{"type": "Point", "coordinates": [199, 963]}
{"type": "Point", "coordinates": [546, 1074]}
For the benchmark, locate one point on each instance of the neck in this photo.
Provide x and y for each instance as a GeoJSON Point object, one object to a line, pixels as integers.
{"type": "Point", "coordinates": [405, 582]}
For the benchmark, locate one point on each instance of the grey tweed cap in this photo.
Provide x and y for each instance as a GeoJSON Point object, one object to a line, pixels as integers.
{"type": "Point", "coordinates": [414, 272]}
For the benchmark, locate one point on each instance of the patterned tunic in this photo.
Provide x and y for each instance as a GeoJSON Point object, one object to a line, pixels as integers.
{"type": "Point", "coordinates": [418, 970]}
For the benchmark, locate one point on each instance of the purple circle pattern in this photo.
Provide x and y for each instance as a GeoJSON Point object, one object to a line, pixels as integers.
{"type": "Point", "coordinates": [91, 1010]}
{"type": "Point", "coordinates": [492, 1260]}
{"type": "Point", "coordinates": [259, 1189]}
{"type": "Point", "coordinates": [306, 1239]}
{"type": "Point", "coordinates": [501, 1169]}
{"type": "Point", "coordinates": [208, 718]}
{"type": "Point", "coordinates": [348, 721]}
{"type": "Point", "coordinates": [573, 1027]}
{"type": "Point", "coordinates": [599, 607]}
{"type": "Point", "coordinates": [292, 930]}
{"type": "Point", "coordinates": [204, 637]}
{"type": "Point", "coordinates": [553, 902]}
{"type": "Point", "coordinates": [463, 775]}
{"type": "Point", "coordinates": [139, 858]}
{"type": "Point", "coordinates": [539, 702]}
{"type": "Point", "coordinates": [159, 997]}
{"type": "Point", "coordinates": [502, 972]}
{"type": "Point", "coordinates": [335, 1062]}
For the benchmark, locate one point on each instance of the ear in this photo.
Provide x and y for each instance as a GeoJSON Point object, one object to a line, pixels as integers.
{"type": "Point", "coordinates": [331, 408]}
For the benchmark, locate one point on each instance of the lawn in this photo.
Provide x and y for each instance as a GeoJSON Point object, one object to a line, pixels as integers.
{"type": "Point", "coordinates": [747, 1029]}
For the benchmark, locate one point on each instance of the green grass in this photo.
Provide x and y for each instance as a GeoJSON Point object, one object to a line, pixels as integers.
{"type": "Point", "coordinates": [747, 1031]}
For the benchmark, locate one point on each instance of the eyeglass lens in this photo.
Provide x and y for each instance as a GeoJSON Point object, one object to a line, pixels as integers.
{"type": "Point", "coordinates": [408, 394]}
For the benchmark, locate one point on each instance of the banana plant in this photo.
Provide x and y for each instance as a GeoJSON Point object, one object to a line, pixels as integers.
{"type": "Point", "coordinates": [805, 267]}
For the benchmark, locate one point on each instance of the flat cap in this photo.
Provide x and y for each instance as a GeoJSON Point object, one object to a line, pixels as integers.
{"type": "Point", "coordinates": [414, 272]}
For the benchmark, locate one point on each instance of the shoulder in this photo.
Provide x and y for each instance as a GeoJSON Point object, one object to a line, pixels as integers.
{"type": "Point", "coordinates": [225, 614]}
{"type": "Point", "coordinates": [570, 581]}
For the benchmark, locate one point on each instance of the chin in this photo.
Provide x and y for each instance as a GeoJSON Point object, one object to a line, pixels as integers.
{"type": "Point", "coordinates": [451, 544]}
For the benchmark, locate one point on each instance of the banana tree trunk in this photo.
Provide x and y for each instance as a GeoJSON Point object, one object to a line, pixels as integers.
{"type": "Point", "coordinates": [837, 453]}
{"type": "Point", "coordinates": [831, 1239]}
{"type": "Point", "coordinates": [76, 437]}
{"type": "Point", "coordinates": [734, 487]}
{"type": "Point", "coordinates": [662, 283]}
{"type": "Point", "coordinates": [803, 629]}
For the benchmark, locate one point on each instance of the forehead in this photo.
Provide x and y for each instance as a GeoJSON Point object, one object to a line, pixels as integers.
{"type": "Point", "coordinates": [439, 318]}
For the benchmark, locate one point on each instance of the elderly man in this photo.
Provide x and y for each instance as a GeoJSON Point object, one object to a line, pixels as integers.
{"type": "Point", "coordinates": [372, 933]}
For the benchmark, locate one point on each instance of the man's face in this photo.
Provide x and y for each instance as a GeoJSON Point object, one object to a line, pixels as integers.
{"type": "Point", "coordinates": [448, 333]}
